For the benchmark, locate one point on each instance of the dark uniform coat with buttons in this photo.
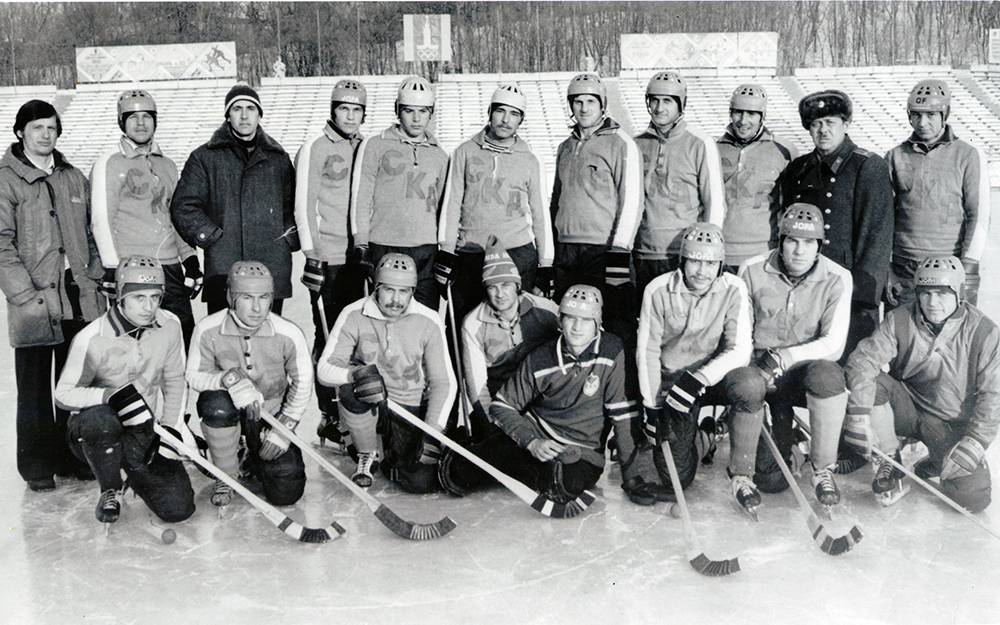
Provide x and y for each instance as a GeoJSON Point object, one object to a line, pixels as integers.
{"type": "Point", "coordinates": [239, 208]}
{"type": "Point", "coordinates": [852, 188]}
{"type": "Point", "coordinates": [45, 225]}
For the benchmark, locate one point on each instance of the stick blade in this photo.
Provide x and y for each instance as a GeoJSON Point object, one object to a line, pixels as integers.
{"type": "Point", "coordinates": [835, 546]}
{"type": "Point", "coordinates": [319, 534]}
{"type": "Point", "coordinates": [568, 510]}
{"type": "Point", "coordinates": [714, 568]}
{"type": "Point", "coordinates": [413, 531]}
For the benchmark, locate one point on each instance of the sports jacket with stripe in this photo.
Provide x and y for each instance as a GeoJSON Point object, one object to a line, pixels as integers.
{"type": "Point", "coordinates": [274, 356]}
{"type": "Point", "coordinates": [805, 319]}
{"type": "Point", "coordinates": [492, 350]}
{"type": "Point", "coordinates": [397, 188]}
{"type": "Point", "coordinates": [954, 376]}
{"type": "Point", "coordinates": [103, 355]}
{"type": "Point", "coordinates": [323, 168]}
{"type": "Point", "coordinates": [558, 396]}
{"type": "Point", "coordinates": [410, 351]}
{"type": "Point", "coordinates": [130, 193]}
{"type": "Point", "coordinates": [753, 196]}
{"type": "Point", "coordinates": [597, 193]}
{"type": "Point", "coordinates": [942, 198]}
{"type": "Point", "coordinates": [680, 331]}
{"type": "Point", "coordinates": [498, 190]}
{"type": "Point", "coordinates": [683, 184]}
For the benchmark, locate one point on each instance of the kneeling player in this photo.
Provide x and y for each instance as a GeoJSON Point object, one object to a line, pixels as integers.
{"type": "Point", "coordinates": [125, 369]}
{"type": "Point", "coordinates": [941, 388]}
{"type": "Point", "coordinates": [390, 345]}
{"type": "Point", "coordinates": [269, 356]}
{"type": "Point", "coordinates": [553, 413]}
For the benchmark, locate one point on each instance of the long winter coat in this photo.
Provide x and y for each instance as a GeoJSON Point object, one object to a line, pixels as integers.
{"type": "Point", "coordinates": [239, 208]}
{"type": "Point", "coordinates": [45, 225]}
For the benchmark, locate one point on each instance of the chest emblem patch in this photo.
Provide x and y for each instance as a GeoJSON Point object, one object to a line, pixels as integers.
{"type": "Point", "coordinates": [590, 385]}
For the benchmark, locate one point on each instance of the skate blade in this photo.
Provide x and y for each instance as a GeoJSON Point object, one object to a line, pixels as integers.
{"type": "Point", "coordinates": [337, 449]}
{"type": "Point", "coordinates": [890, 497]}
{"type": "Point", "coordinates": [826, 511]}
{"type": "Point", "coordinates": [752, 513]}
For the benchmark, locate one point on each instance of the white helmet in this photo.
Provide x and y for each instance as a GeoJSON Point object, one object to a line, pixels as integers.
{"type": "Point", "coordinates": [415, 91]}
{"type": "Point", "coordinates": [138, 273]}
{"type": "Point", "coordinates": [134, 101]}
{"type": "Point", "coordinates": [587, 84]}
{"type": "Point", "coordinates": [509, 95]}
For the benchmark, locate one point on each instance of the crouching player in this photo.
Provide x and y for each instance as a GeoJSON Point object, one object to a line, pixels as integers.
{"type": "Point", "coordinates": [694, 329]}
{"type": "Point", "coordinates": [269, 356]}
{"type": "Point", "coordinates": [942, 388]}
{"type": "Point", "coordinates": [125, 369]}
{"type": "Point", "coordinates": [390, 345]}
{"type": "Point", "coordinates": [554, 412]}
{"type": "Point", "coordinates": [800, 302]}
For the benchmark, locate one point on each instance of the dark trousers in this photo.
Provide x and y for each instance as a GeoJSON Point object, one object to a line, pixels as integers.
{"type": "Point", "coordinates": [41, 428]}
{"type": "Point", "coordinates": [97, 437]}
{"type": "Point", "coordinates": [176, 299]}
{"type": "Point", "coordinates": [342, 285]}
{"type": "Point", "coordinates": [423, 255]}
{"type": "Point", "coordinates": [647, 270]}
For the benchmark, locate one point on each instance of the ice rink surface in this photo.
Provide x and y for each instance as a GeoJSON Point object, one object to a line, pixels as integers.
{"type": "Point", "coordinates": [919, 561]}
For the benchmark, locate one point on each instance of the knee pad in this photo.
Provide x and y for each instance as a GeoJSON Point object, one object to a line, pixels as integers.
{"type": "Point", "coordinates": [824, 379]}
{"type": "Point", "coordinates": [972, 492]}
{"type": "Point", "coordinates": [97, 425]}
{"type": "Point", "coordinates": [745, 389]}
{"type": "Point", "coordinates": [217, 410]}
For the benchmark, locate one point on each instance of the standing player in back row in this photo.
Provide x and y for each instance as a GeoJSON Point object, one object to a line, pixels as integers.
{"type": "Point", "coordinates": [682, 179]}
{"type": "Point", "coordinates": [752, 161]}
{"type": "Point", "coordinates": [397, 188]}
{"type": "Point", "coordinates": [496, 186]}
{"type": "Point", "coordinates": [942, 186]}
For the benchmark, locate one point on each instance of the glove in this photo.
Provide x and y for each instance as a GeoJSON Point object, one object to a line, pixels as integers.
{"type": "Point", "coordinates": [963, 459]}
{"type": "Point", "coordinates": [181, 432]}
{"type": "Point", "coordinates": [314, 274]}
{"type": "Point", "coordinates": [129, 404]}
{"type": "Point", "coordinates": [616, 267]}
{"type": "Point", "coordinates": [894, 289]}
{"type": "Point", "coordinates": [241, 389]}
{"type": "Point", "coordinates": [544, 280]}
{"type": "Point", "coordinates": [430, 451]}
{"type": "Point", "coordinates": [770, 366]}
{"type": "Point", "coordinates": [444, 270]}
{"type": "Point", "coordinates": [108, 285]}
{"type": "Point", "coordinates": [368, 385]}
{"type": "Point", "coordinates": [970, 292]}
{"type": "Point", "coordinates": [654, 418]}
{"type": "Point", "coordinates": [273, 444]}
{"type": "Point", "coordinates": [361, 257]}
{"type": "Point", "coordinates": [685, 392]}
{"type": "Point", "coordinates": [858, 433]}
{"type": "Point", "coordinates": [193, 277]}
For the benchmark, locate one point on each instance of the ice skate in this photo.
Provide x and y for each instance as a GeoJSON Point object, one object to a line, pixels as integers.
{"type": "Point", "coordinates": [333, 437]}
{"type": "Point", "coordinates": [109, 507]}
{"type": "Point", "coordinates": [888, 484]}
{"type": "Point", "coordinates": [827, 492]}
{"type": "Point", "coordinates": [746, 495]}
{"type": "Point", "coordinates": [222, 495]}
{"type": "Point", "coordinates": [366, 462]}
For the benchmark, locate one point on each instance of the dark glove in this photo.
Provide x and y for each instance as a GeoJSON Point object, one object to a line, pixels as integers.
{"type": "Point", "coordinates": [130, 406]}
{"type": "Point", "coordinates": [368, 385]}
{"type": "Point", "coordinates": [274, 444]}
{"type": "Point", "coordinates": [361, 257]}
{"type": "Point", "coordinates": [314, 274]}
{"type": "Point", "coordinates": [970, 292]}
{"type": "Point", "coordinates": [685, 392]}
{"type": "Point", "coordinates": [769, 364]}
{"type": "Point", "coordinates": [444, 271]}
{"type": "Point", "coordinates": [616, 267]}
{"type": "Point", "coordinates": [655, 426]}
{"type": "Point", "coordinates": [108, 285]}
{"type": "Point", "coordinates": [193, 277]}
{"type": "Point", "coordinates": [545, 280]}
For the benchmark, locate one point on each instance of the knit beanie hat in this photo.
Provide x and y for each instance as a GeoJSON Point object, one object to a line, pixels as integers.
{"type": "Point", "coordinates": [243, 91]}
{"type": "Point", "coordinates": [497, 266]}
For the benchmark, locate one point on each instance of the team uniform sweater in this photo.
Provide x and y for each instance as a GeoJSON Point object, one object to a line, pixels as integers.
{"type": "Point", "coordinates": [597, 193]}
{"type": "Point", "coordinates": [130, 192]}
{"type": "Point", "coordinates": [323, 167]}
{"type": "Point", "coordinates": [105, 355]}
{"type": "Point", "coordinates": [804, 319]}
{"type": "Point", "coordinates": [682, 179]}
{"type": "Point", "coordinates": [494, 189]}
{"type": "Point", "coordinates": [750, 173]}
{"type": "Point", "coordinates": [274, 356]}
{"type": "Point", "coordinates": [852, 188]}
{"type": "Point", "coordinates": [492, 348]}
{"type": "Point", "coordinates": [954, 376]}
{"type": "Point", "coordinates": [680, 331]}
{"type": "Point", "coordinates": [558, 396]}
{"type": "Point", "coordinates": [942, 198]}
{"type": "Point", "coordinates": [396, 190]}
{"type": "Point", "coordinates": [410, 352]}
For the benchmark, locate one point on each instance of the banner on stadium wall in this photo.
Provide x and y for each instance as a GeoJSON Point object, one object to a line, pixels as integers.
{"type": "Point", "coordinates": [427, 38]}
{"type": "Point", "coordinates": [166, 62]}
{"type": "Point", "coordinates": [679, 50]}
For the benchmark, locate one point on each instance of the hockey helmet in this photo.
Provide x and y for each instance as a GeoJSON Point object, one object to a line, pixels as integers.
{"type": "Point", "coordinates": [134, 101]}
{"type": "Point", "coordinates": [396, 270]}
{"type": "Point", "coordinates": [941, 271]}
{"type": "Point", "coordinates": [749, 97]}
{"type": "Point", "coordinates": [415, 91]}
{"type": "Point", "coordinates": [138, 273]}
{"type": "Point", "coordinates": [802, 221]}
{"type": "Point", "coordinates": [350, 92]}
{"type": "Point", "coordinates": [587, 84]}
{"type": "Point", "coordinates": [668, 83]}
{"type": "Point", "coordinates": [932, 96]}
{"type": "Point", "coordinates": [508, 95]}
{"type": "Point", "coordinates": [703, 241]}
{"type": "Point", "coordinates": [582, 300]}
{"type": "Point", "coordinates": [250, 277]}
